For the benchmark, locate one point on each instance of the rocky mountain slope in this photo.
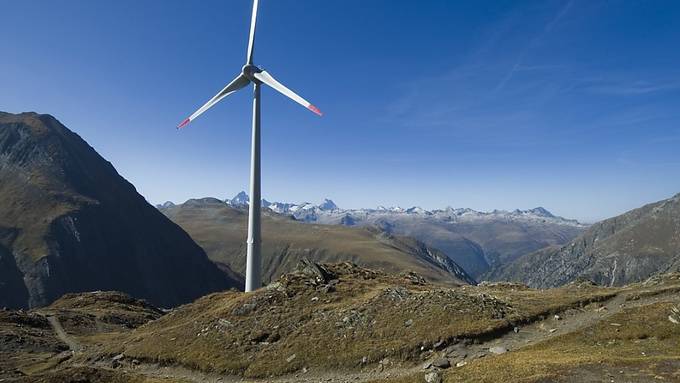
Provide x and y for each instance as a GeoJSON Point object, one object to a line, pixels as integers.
{"type": "Point", "coordinates": [69, 222]}
{"type": "Point", "coordinates": [344, 323]}
{"type": "Point", "coordinates": [221, 230]}
{"type": "Point", "coordinates": [477, 241]}
{"type": "Point", "coordinates": [620, 250]}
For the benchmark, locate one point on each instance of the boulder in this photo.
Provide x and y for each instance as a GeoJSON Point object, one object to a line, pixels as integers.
{"type": "Point", "coordinates": [441, 363]}
{"type": "Point", "coordinates": [498, 350]}
{"type": "Point", "coordinates": [433, 377]}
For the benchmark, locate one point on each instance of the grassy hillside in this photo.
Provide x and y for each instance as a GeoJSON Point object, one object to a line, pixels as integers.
{"type": "Point", "coordinates": [341, 322]}
{"type": "Point", "coordinates": [638, 343]}
{"type": "Point", "coordinates": [367, 318]}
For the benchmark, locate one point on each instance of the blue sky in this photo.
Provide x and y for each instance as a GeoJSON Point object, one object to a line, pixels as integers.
{"type": "Point", "coordinates": [571, 105]}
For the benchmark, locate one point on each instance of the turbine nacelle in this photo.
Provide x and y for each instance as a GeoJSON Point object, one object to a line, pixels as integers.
{"type": "Point", "coordinates": [249, 70]}
{"type": "Point", "coordinates": [250, 73]}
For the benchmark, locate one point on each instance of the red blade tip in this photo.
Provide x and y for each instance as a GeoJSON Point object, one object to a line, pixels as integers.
{"type": "Point", "coordinates": [315, 110]}
{"type": "Point", "coordinates": [183, 124]}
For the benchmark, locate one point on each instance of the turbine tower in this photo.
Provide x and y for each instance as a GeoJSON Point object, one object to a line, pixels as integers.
{"type": "Point", "coordinates": [252, 74]}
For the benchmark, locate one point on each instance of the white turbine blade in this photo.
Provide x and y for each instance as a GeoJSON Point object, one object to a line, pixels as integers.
{"type": "Point", "coordinates": [251, 39]}
{"type": "Point", "coordinates": [236, 84]}
{"type": "Point", "coordinates": [271, 81]}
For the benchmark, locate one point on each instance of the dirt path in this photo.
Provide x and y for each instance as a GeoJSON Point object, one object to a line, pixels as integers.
{"type": "Point", "coordinates": [62, 335]}
{"type": "Point", "coordinates": [538, 331]}
{"type": "Point", "coordinates": [574, 320]}
{"type": "Point", "coordinates": [562, 323]}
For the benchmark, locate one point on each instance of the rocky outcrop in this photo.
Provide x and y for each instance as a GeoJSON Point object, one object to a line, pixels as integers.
{"type": "Point", "coordinates": [70, 223]}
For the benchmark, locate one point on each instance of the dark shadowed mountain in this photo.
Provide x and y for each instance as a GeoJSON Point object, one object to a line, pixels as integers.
{"type": "Point", "coordinates": [620, 250]}
{"type": "Point", "coordinates": [69, 223]}
{"type": "Point", "coordinates": [221, 230]}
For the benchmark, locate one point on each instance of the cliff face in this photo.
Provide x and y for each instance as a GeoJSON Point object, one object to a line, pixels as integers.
{"type": "Point", "coordinates": [69, 223]}
{"type": "Point", "coordinates": [620, 250]}
{"type": "Point", "coordinates": [13, 292]}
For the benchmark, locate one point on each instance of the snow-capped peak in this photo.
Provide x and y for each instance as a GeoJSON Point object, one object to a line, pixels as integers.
{"type": "Point", "coordinates": [416, 210]}
{"type": "Point", "coordinates": [165, 205]}
{"type": "Point", "coordinates": [328, 205]}
{"type": "Point", "coordinates": [240, 199]}
{"type": "Point", "coordinates": [540, 211]}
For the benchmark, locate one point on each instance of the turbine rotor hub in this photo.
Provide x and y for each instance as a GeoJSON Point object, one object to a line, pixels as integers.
{"type": "Point", "coordinates": [249, 71]}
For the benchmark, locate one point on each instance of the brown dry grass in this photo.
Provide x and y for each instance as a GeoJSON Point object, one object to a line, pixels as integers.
{"type": "Point", "coordinates": [92, 375]}
{"type": "Point", "coordinates": [100, 312]}
{"type": "Point", "coordinates": [295, 324]}
{"type": "Point", "coordinates": [644, 342]}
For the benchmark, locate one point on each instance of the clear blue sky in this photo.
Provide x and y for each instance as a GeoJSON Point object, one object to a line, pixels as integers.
{"type": "Point", "coordinates": [571, 105]}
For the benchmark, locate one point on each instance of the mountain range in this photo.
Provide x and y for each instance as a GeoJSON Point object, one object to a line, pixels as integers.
{"type": "Point", "coordinates": [69, 223]}
{"type": "Point", "coordinates": [477, 241]}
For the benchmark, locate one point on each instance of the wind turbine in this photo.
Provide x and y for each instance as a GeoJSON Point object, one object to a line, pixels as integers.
{"type": "Point", "coordinates": [252, 74]}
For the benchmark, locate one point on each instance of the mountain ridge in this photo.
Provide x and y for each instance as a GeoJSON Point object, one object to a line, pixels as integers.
{"type": "Point", "coordinates": [242, 199]}
{"type": "Point", "coordinates": [627, 248]}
